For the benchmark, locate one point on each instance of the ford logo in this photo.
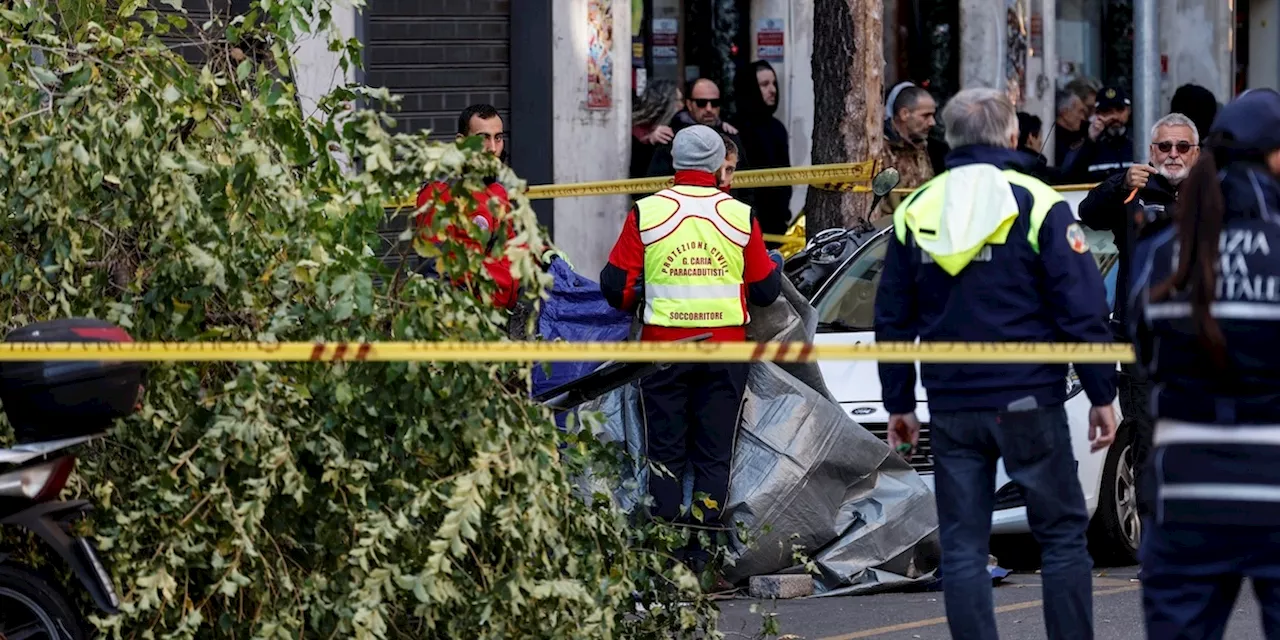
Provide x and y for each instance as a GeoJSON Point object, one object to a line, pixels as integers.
{"type": "Point", "coordinates": [862, 411]}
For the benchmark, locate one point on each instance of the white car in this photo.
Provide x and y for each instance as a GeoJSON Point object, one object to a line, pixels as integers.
{"type": "Point", "coordinates": [843, 293]}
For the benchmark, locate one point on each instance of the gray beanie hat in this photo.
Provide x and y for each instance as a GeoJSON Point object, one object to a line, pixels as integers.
{"type": "Point", "coordinates": [698, 147]}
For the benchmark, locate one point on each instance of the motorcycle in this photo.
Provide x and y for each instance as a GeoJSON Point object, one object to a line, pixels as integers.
{"type": "Point", "coordinates": [55, 407]}
{"type": "Point", "coordinates": [809, 268]}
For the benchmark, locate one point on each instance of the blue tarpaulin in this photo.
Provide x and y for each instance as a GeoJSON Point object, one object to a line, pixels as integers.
{"type": "Point", "coordinates": [576, 311]}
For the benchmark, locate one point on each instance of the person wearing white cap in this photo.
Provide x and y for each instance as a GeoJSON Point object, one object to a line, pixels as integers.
{"type": "Point", "coordinates": [693, 259]}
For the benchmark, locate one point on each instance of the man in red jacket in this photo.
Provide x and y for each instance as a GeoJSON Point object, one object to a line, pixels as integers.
{"type": "Point", "coordinates": [695, 256]}
{"type": "Point", "coordinates": [492, 204]}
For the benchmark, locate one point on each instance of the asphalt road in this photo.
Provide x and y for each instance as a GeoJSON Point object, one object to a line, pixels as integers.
{"type": "Point", "coordinates": [910, 616]}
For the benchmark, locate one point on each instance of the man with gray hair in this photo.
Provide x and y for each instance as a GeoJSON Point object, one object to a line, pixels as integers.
{"type": "Point", "coordinates": [1131, 205]}
{"type": "Point", "coordinates": [692, 258]}
{"type": "Point", "coordinates": [1068, 128]}
{"type": "Point", "coordinates": [984, 253]}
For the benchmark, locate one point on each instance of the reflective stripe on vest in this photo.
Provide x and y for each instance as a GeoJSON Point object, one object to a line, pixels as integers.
{"type": "Point", "coordinates": [926, 204]}
{"type": "Point", "coordinates": [692, 205]}
{"type": "Point", "coordinates": [693, 257]}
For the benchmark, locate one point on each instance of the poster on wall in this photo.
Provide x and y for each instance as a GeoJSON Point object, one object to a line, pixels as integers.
{"type": "Point", "coordinates": [666, 33]}
{"type": "Point", "coordinates": [770, 39]}
{"type": "Point", "coordinates": [599, 54]}
{"type": "Point", "coordinates": [1016, 50]}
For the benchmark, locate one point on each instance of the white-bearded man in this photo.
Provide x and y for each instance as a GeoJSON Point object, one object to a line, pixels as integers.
{"type": "Point", "coordinates": [1133, 205]}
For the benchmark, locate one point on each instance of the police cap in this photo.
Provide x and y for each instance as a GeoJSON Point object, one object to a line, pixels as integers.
{"type": "Point", "coordinates": [1112, 99]}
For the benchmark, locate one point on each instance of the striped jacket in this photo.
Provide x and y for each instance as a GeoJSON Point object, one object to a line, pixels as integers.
{"type": "Point", "coordinates": [1217, 441]}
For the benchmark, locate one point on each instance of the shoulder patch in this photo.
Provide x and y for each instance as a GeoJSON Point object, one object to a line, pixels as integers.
{"type": "Point", "coordinates": [1076, 238]}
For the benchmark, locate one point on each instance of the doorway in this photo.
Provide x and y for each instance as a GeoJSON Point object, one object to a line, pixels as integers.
{"type": "Point", "coordinates": [683, 40]}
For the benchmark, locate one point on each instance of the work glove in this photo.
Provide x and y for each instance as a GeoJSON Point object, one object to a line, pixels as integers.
{"type": "Point", "coordinates": [551, 255]}
{"type": "Point", "coordinates": [776, 257]}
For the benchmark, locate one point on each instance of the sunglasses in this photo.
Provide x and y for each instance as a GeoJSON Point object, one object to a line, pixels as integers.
{"type": "Point", "coordinates": [703, 102]}
{"type": "Point", "coordinates": [1166, 146]}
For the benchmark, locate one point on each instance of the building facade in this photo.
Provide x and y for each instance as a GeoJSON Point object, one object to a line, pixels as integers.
{"type": "Point", "coordinates": [563, 73]}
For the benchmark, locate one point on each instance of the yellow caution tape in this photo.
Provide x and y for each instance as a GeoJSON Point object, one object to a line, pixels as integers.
{"type": "Point", "coordinates": [934, 352]}
{"type": "Point", "coordinates": [832, 177]}
{"type": "Point", "coordinates": [854, 176]}
{"type": "Point", "coordinates": [1062, 188]}
{"type": "Point", "coordinates": [784, 240]}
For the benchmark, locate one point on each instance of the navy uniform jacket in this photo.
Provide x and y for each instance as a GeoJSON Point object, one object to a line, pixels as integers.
{"type": "Point", "coordinates": [1052, 292]}
{"type": "Point", "coordinates": [1098, 160]}
{"type": "Point", "coordinates": [1112, 206]}
{"type": "Point", "coordinates": [1217, 440]}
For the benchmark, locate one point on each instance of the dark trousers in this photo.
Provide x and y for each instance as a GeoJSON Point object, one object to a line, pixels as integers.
{"type": "Point", "coordinates": [1191, 576]}
{"type": "Point", "coordinates": [1036, 447]}
{"type": "Point", "coordinates": [1135, 404]}
{"type": "Point", "coordinates": [691, 420]}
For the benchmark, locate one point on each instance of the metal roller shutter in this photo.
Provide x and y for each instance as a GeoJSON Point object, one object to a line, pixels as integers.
{"type": "Point", "coordinates": [441, 56]}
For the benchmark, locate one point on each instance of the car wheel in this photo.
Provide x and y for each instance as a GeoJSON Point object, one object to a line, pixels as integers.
{"type": "Point", "coordinates": [1116, 529]}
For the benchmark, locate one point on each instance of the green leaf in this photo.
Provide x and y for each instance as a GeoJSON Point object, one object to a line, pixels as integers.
{"type": "Point", "coordinates": [342, 283]}
{"type": "Point", "coordinates": [45, 77]}
{"type": "Point", "coordinates": [244, 69]}
{"type": "Point", "coordinates": [133, 126]}
{"type": "Point", "coordinates": [13, 16]}
{"type": "Point", "coordinates": [343, 394]}
{"type": "Point", "coordinates": [343, 308]}
{"type": "Point", "coordinates": [129, 7]}
{"type": "Point", "coordinates": [171, 94]}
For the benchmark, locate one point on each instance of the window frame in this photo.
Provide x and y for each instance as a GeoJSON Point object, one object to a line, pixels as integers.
{"type": "Point", "coordinates": [865, 247]}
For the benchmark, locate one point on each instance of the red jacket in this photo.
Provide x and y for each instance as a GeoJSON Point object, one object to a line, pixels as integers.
{"type": "Point", "coordinates": [625, 269]}
{"type": "Point", "coordinates": [499, 268]}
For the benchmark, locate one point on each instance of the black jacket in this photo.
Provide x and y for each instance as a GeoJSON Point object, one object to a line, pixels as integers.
{"type": "Point", "coordinates": [764, 139]}
{"type": "Point", "coordinates": [1037, 166]}
{"type": "Point", "coordinates": [661, 163]}
{"type": "Point", "coordinates": [938, 150]}
{"type": "Point", "coordinates": [1097, 160]}
{"type": "Point", "coordinates": [641, 156]}
{"type": "Point", "coordinates": [1065, 142]}
{"type": "Point", "coordinates": [1108, 207]}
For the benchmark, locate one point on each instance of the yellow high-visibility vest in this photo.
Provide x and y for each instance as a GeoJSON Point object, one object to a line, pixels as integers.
{"type": "Point", "coordinates": [694, 240]}
{"type": "Point", "coordinates": [921, 214]}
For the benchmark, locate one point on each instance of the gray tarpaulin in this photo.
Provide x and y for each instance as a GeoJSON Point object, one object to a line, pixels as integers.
{"type": "Point", "coordinates": [805, 471]}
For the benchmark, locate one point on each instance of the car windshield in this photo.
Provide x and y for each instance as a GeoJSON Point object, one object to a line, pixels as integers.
{"type": "Point", "coordinates": [849, 303]}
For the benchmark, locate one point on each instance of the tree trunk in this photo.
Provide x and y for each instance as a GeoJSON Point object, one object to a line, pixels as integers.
{"type": "Point", "coordinates": [848, 88]}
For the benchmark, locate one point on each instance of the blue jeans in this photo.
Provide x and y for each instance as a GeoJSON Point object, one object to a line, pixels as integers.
{"type": "Point", "coordinates": [1036, 447]}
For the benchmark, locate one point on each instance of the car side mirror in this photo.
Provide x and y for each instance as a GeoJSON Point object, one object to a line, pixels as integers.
{"type": "Point", "coordinates": [885, 181]}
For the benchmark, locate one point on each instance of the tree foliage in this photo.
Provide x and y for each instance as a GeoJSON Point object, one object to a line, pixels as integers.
{"type": "Point", "coordinates": [370, 500]}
